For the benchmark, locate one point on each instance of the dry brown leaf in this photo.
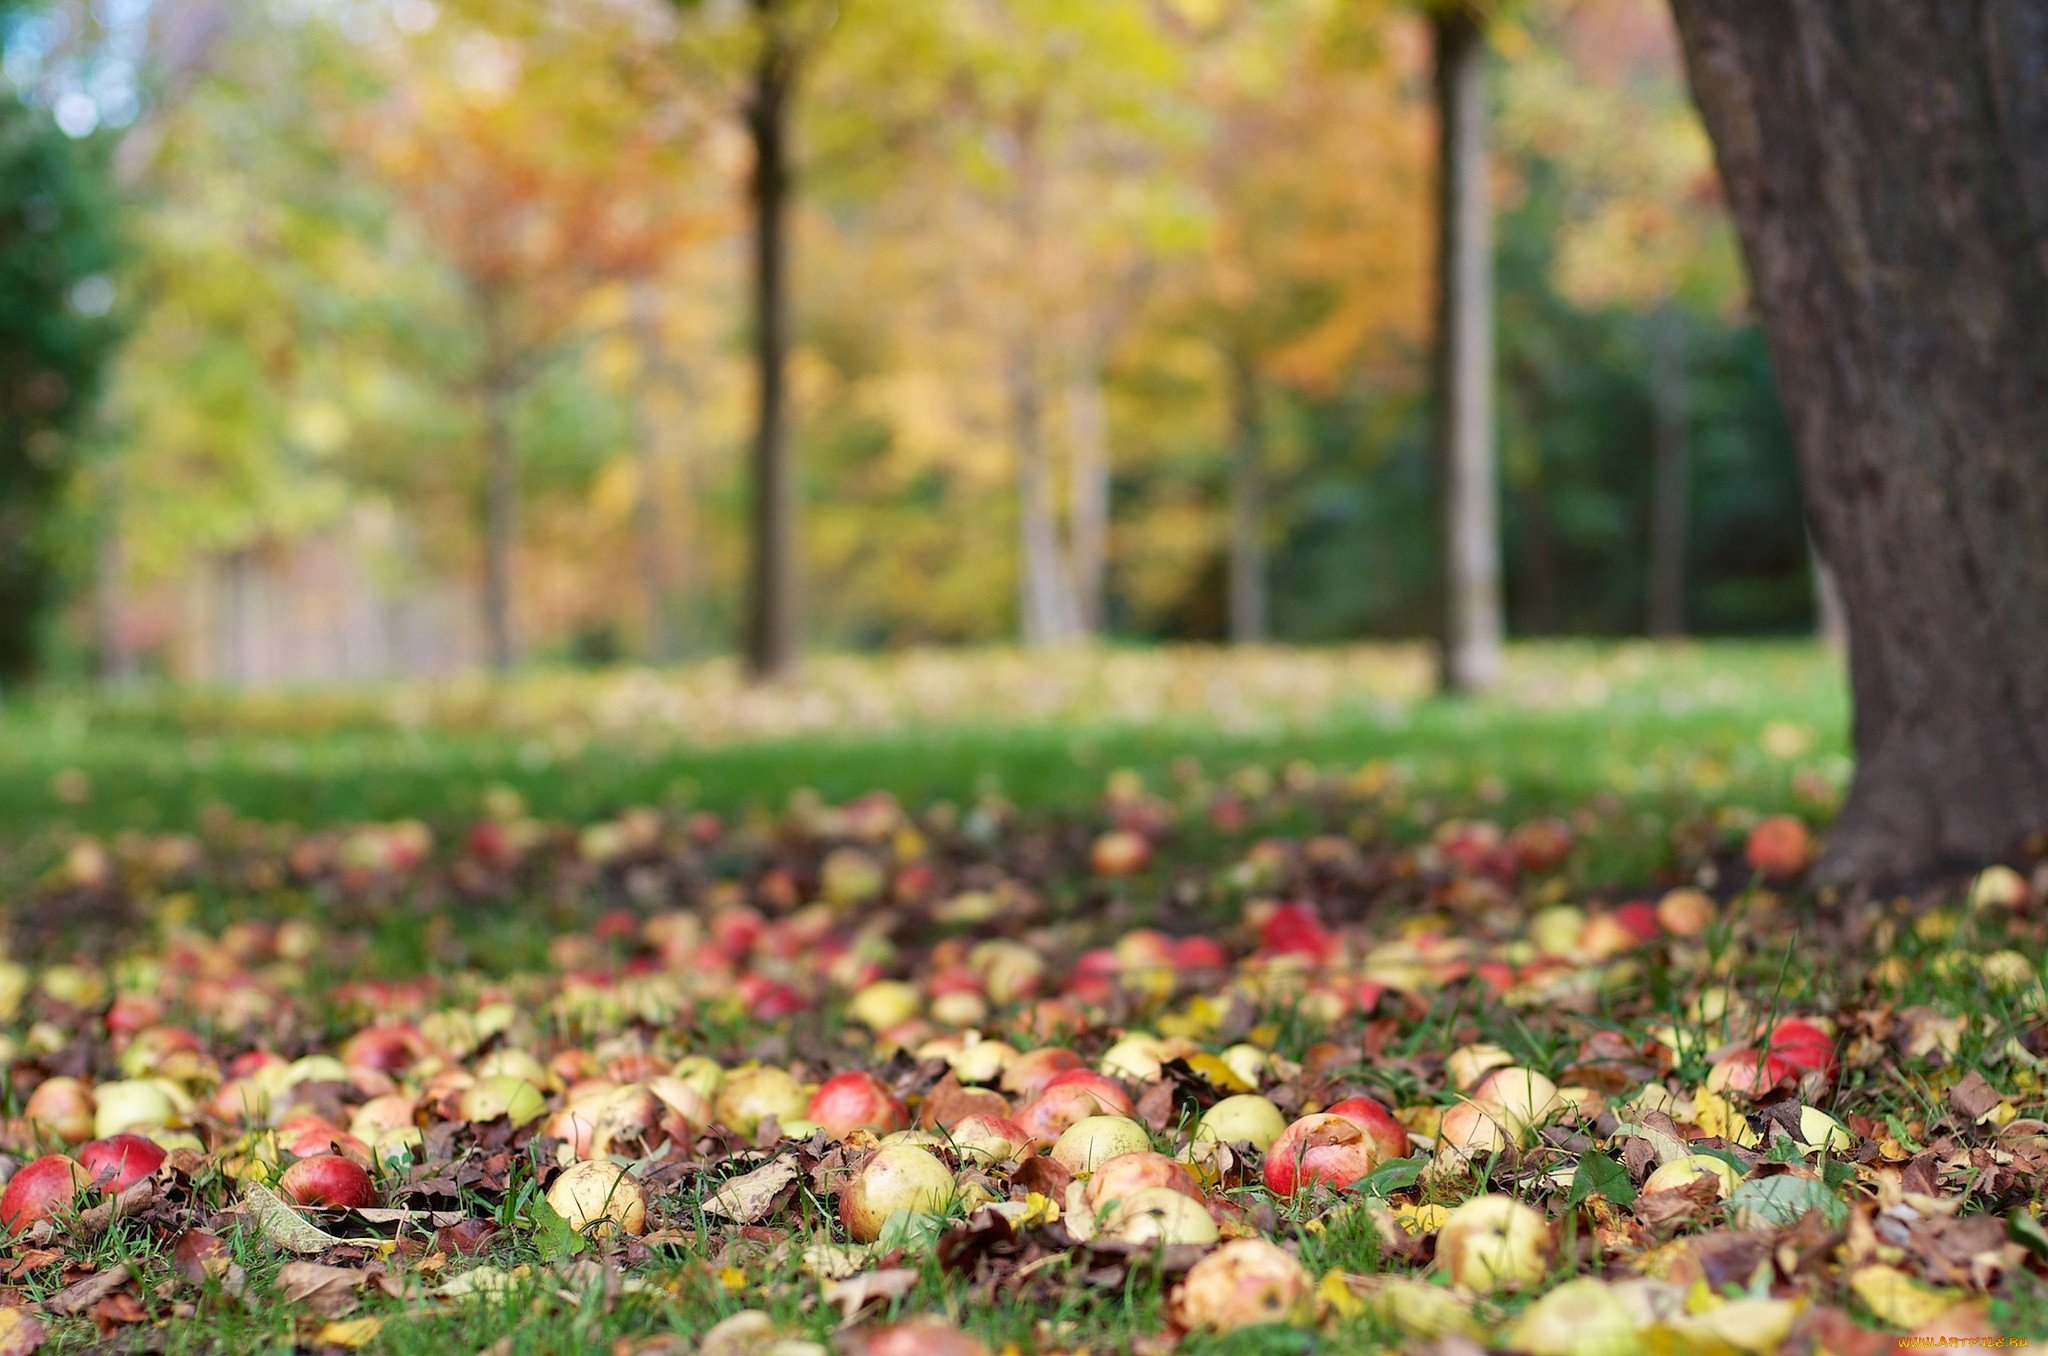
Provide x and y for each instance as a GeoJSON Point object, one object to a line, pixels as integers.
{"type": "Point", "coordinates": [323, 1290]}
{"type": "Point", "coordinates": [82, 1295]}
{"type": "Point", "coordinates": [871, 1287]}
{"type": "Point", "coordinates": [748, 1199]}
{"type": "Point", "coordinates": [21, 1332]}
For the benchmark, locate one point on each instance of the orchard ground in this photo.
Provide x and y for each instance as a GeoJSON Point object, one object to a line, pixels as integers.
{"type": "Point", "coordinates": [634, 919]}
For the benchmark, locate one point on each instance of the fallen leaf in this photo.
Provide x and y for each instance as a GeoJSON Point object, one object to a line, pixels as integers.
{"type": "Point", "coordinates": [1897, 1298]}
{"type": "Point", "coordinates": [748, 1199]}
{"type": "Point", "coordinates": [283, 1225]}
{"type": "Point", "coordinates": [871, 1287]}
{"type": "Point", "coordinates": [322, 1290]}
{"type": "Point", "coordinates": [21, 1332]}
{"type": "Point", "coordinates": [82, 1295]}
{"type": "Point", "coordinates": [353, 1332]}
{"type": "Point", "coordinates": [1973, 1096]}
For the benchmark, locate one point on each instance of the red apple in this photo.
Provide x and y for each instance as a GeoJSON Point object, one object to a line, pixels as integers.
{"type": "Point", "coordinates": [853, 1101]}
{"type": "Point", "coordinates": [1779, 848]}
{"type": "Point", "coordinates": [1804, 1046]}
{"type": "Point", "coordinates": [41, 1189]}
{"type": "Point", "coordinates": [1335, 1150]}
{"type": "Point", "coordinates": [1107, 1090]}
{"type": "Point", "coordinates": [1294, 930]}
{"type": "Point", "coordinates": [1199, 953]}
{"type": "Point", "coordinates": [119, 1161]}
{"type": "Point", "coordinates": [1120, 852]}
{"type": "Point", "coordinates": [1749, 1071]}
{"type": "Point", "coordinates": [1388, 1135]}
{"type": "Point", "coordinates": [1121, 1177]}
{"type": "Point", "coordinates": [1027, 1075]}
{"type": "Point", "coordinates": [328, 1182]}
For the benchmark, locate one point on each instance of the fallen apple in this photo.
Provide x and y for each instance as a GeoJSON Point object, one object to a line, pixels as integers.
{"type": "Point", "coordinates": [62, 1108]}
{"type": "Point", "coordinates": [1141, 1170]}
{"type": "Point", "coordinates": [1094, 1140]}
{"type": "Point", "coordinates": [1244, 1283]}
{"type": "Point", "coordinates": [853, 1101]}
{"type": "Point", "coordinates": [1494, 1242]}
{"type": "Point", "coordinates": [747, 1097]}
{"type": "Point", "coordinates": [598, 1195]}
{"type": "Point", "coordinates": [1158, 1215]}
{"type": "Point", "coordinates": [503, 1096]}
{"type": "Point", "coordinates": [1683, 1172]}
{"type": "Point", "coordinates": [328, 1182]}
{"type": "Point", "coordinates": [43, 1188]}
{"type": "Point", "coordinates": [1389, 1136]}
{"type": "Point", "coordinates": [896, 1177]}
{"type": "Point", "coordinates": [1334, 1150]}
{"type": "Point", "coordinates": [1245, 1118]}
{"type": "Point", "coordinates": [988, 1140]}
{"type": "Point", "coordinates": [119, 1161]}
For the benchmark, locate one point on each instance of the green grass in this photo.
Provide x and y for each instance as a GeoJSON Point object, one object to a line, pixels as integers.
{"type": "Point", "coordinates": [1575, 721]}
{"type": "Point", "coordinates": [1632, 740]}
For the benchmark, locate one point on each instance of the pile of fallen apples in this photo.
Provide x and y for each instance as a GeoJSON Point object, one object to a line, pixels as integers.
{"type": "Point", "coordinates": [893, 1018]}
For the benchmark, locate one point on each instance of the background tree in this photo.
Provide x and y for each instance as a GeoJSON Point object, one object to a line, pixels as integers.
{"type": "Point", "coordinates": [1473, 624]}
{"type": "Point", "coordinates": [57, 251]}
{"type": "Point", "coordinates": [1884, 166]}
{"type": "Point", "coordinates": [538, 169]}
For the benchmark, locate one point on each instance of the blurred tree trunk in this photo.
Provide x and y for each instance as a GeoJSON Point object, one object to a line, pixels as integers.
{"type": "Point", "coordinates": [1247, 572]}
{"type": "Point", "coordinates": [771, 619]}
{"type": "Point", "coordinates": [1670, 472]}
{"type": "Point", "coordinates": [1884, 162]}
{"type": "Point", "coordinates": [1046, 609]}
{"type": "Point", "coordinates": [1542, 603]}
{"type": "Point", "coordinates": [182, 39]}
{"type": "Point", "coordinates": [650, 528]}
{"type": "Point", "coordinates": [1471, 639]}
{"type": "Point", "coordinates": [501, 494]}
{"type": "Point", "coordinates": [1088, 492]}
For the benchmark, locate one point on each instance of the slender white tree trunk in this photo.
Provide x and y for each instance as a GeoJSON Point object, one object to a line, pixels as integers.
{"type": "Point", "coordinates": [650, 527]}
{"type": "Point", "coordinates": [1088, 493]}
{"type": "Point", "coordinates": [1473, 626]}
{"type": "Point", "coordinates": [1247, 545]}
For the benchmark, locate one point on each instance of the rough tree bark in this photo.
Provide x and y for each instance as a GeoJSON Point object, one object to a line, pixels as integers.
{"type": "Point", "coordinates": [1670, 473]}
{"type": "Point", "coordinates": [1470, 643]}
{"type": "Point", "coordinates": [1884, 161]}
{"type": "Point", "coordinates": [1247, 563]}
{"type": "Point", "coordinates": [771, 621]}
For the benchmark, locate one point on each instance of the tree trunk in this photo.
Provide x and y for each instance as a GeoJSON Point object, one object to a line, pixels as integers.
{"type": "Point", "coordinates": [1670, 473]}
{"type": "Point", "coordinates": [1088, 494]}
{"type": "Point", "coordinates": [649, 528]}
{"type": "Point", "coordinates": [771, 625]}
{"type": "Point", "coordinates": [1046, 611]}
{"type": "Point", "coordinates": [1045, 606]}
{"type": "Point", "coordinates": [110, 580]}
{"type": "Point", "coordinates": [1885, 167]}
{"type": "Point", "coordinates": [1247, 505]}
{"type": "Point", "coordinates": [1472, 626]}
{"type": "Point", "coordinates": [501, 521]}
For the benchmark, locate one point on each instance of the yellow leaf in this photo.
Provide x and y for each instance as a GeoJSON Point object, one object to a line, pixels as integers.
{"type": "Point", "coordinates": [1897, 1298]}
{"type": "Point", "coordinates": [354, 1332]}
{"type": "Point", "coordinates": [1337, 1294]}
{"type": "Point", "coordinates": [733, 1279]}
{"type": "Point", "coordinates": [1039, 1210]}
{"type": "Point", "coordinates": [1421, 1219]}
{"type": "Point", "coordinates": [1716, 1115]}
{"type": "Point", "coordinates": [1214, 1071]}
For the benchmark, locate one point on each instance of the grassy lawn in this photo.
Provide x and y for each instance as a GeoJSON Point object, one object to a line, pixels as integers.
{"type": "Point", "coordinates": [636, 927]}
